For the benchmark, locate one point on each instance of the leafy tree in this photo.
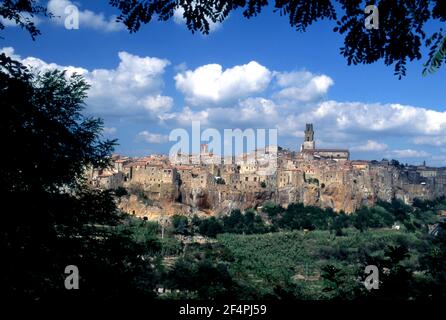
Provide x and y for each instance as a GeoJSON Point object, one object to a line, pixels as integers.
{"type": "Point", "coordinates": [249, 222]}
{"type": "Point", "coordinates": [57, 220]}
{"type": "Point", "coordinates": [376, 217]}
{"type": "Point", "coordinates": [195, 223]}
{"type": "Point", "coordinates": [298, 216]}
{"type": "Point", "coordinates": [233, 223]}
{"type": "Point", "coordinates": [339, 283]}
{"type": "Point", "coordinates": [400, 210]}
{"type": "Point", "coordinates": [437, 53]}
{"type": "Point", "coordinates": [214, 281]}
{"type": "Point", "coordinates": [399, 38]}
{"type": "Point", "coordinates": [361, 219]}
{"type": "Point", "coordinates": [142, 232]}
{"type": "Point", "coordinates": [208, 279]}
{"type": "Point", "coordinates": [180, 225]}
{"type": "Point", "coordinates": [121, 192]}
{"type": "Point", "coordinates": [396, 278]}
{"type": "Point", "coordinates": [210, 227]}
{"type": "Point", "coordinates": [181, 276]}
{"type": "Point", "coordinates": [340, 221]}
{"type": "Point", "coordinates": [272, 209]}
{"type": "Point", "coordinates": [22, 12]}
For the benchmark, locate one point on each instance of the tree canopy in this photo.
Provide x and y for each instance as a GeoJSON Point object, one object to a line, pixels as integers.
{"type": "Point", "coordinates": [399, 38]}
{"type": "Point", "coordinates": [51, 218]}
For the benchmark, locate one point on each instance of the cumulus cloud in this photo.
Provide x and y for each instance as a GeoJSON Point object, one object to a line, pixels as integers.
{"type": "Point", "coordinates": [252, 96]}
{"type": "Point", "coordinates": [87, 18]}
{"type": "Point", "coordinates": [133, 88]}
{"type": "Point", "coordinates": [435, 141]}
{"type": "Point", "coordinates": [157, 104]}
{"type": "Point", "coordinates": [408, 153]}
{"type": "Point", "coordinates": [10, 52]}
{"type": "Point", "coordinates": [152, 137]}
{"type": "Point", "coordinates": [393, 119]}
{"type": "Point", "coordinates": [337, 124]}
{"type": "Point", "coordinates": [39, 65]}
{"type": "Point", "coordinates": [250, 112]}
{"type": "Point", "coordinates": [211, 84]}
{"type": "Point", "coordinates": [302, 85]}
{"type": "Point", "coordinates": [371, 145]}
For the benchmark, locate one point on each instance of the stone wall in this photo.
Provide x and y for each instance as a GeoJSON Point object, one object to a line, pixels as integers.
{"type": "Point", "coordinates": [345, 185]}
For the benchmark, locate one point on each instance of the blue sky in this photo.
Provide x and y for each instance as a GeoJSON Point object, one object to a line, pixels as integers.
{"type": "Point", "coordinates": [256, 73]}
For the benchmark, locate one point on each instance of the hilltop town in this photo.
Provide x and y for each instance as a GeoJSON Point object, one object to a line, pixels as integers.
{"type": "Point", "coordinates": [319, 177]}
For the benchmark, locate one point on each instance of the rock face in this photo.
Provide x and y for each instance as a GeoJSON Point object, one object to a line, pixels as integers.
{"type": "Point", "coordinates": [157, 210]}
{"type": "Point", "coordinates": [346, 192]}
{"type": "Point", "coordinates": [340, 185]}
{"type": "Point", "coordinates": [219, 199]}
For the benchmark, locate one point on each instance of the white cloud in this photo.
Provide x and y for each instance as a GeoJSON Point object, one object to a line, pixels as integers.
{"type": "Point", "coordinates": [302, 85]}
{"type": "Point", "coordinates": [408, 153]}
{"type": "Point", "coordinates": [152, 137]}
{"type": "Point", "coordinates": [8, 22]}
{"type": "Point", "coordinates": [186, 116]}
{"type": "Point", "coordinates": [338, 124]}
{"type": "Point", "coordinates": [431, 140]}
{"type": "Point", "coordinates": [210, 84]}
{"type": "Point", "coordinates": [250, 112]}
{"type": "Point", "coordinates": [10, 52]}
{"type": "Point", "coordinates": [245, 96]}
{"type": "Point", "coordinates": [133, 88]}
{"type": "Point", "coordinates": [39, 65]}
{"type": "Point", "coordinates": [371, 145]}
{"type": "Point", "coordinates": [157, 104]}
{"type": "Point", "coordinates": [393, 119]}
{"type": "Point", "coordinates": [87, 18]}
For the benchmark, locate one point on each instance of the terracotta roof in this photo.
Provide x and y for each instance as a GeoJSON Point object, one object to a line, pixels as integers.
{"type": "Point", "coordinates": [331, 150]}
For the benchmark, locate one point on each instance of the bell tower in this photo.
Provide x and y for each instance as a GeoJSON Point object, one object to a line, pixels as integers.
{"type": "Point", "coordinates": [309, 138]}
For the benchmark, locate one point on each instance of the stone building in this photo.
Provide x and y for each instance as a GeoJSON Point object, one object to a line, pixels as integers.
{"type": "Point", "coordinates": [309, 150]}
{"type": "Point", "coordinates": [319, 177]}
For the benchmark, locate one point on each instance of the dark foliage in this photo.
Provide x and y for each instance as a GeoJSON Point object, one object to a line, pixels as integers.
{"type": "Point", "coordinates": [208, 280]}
{"type": "Point", "coordinates": [52, 219]}
{"type": "Point", "coordinates": [180, 225]}
{"type": "Point", "coordinates": [21, 13]}
{"type": "Point", "coordinates": [398, 39]}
